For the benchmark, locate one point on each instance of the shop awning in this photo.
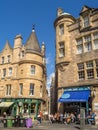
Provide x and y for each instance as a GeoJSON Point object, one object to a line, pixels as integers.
{"type": "Point", "coordinates": [75, 96]}
{"type": "Point", "coordinates": [6, 104]}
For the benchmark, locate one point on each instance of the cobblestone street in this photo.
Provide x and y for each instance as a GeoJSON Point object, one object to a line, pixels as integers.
{"type": "Point", "coordinates": [49, 126]}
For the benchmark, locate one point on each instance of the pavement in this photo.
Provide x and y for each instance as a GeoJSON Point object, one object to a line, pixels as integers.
{"type": "Point", "coordinates": [46, 125]}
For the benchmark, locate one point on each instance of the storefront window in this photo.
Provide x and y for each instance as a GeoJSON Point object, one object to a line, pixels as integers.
{"type": "Point", "coordinates": [33, 108]}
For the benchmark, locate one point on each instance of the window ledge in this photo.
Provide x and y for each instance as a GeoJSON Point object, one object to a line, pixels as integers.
{"type": "Point", "coordinates": [83, 29]}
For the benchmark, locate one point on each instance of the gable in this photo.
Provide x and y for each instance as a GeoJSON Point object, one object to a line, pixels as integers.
{"type": "Point", "coordinates": [7, 48]}
{"type": "Point", "coordinates": [84, 9]}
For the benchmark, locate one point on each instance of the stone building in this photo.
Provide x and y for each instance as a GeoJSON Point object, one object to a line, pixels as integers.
{"type": "Point", "coordinates": [53, 96]}
{"type": "Point", "coordinates": [77, 60]}
{"type": "Point", "coordinates": [23, 77]}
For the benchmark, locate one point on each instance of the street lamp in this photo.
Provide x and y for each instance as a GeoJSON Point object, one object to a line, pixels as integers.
{"type": "Point", "coordinates": [19, 104]}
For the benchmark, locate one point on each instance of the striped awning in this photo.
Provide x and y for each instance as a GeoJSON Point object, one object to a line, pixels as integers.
{"type": "Point", "coordinates": [6, 104]}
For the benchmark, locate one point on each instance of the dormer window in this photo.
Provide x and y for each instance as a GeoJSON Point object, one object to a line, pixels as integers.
{"type": "Point", "coordinates": [86, 21]}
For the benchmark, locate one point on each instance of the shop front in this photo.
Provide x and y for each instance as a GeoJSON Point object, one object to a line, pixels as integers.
{"type": "Point", "coordinates": [20, 106]}
{"type": "Point", "coordinates": [28, 107]}
{"type": "Point", "coordinates": [73, 99]}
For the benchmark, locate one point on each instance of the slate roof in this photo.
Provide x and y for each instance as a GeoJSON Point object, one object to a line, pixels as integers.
{"type": "Point", "coordinates": [32, 44]}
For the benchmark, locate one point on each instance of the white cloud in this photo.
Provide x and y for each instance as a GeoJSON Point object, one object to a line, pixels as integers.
{"type": "Point", "coordinates": [47, 60]}
{"type": "Point", "coordinates": [50, 79]}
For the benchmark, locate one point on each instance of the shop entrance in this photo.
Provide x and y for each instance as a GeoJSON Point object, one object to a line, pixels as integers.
{"type": "Point", "coordinates": [75, 106]}
{"type": "Point", "coordinates": [71, 107]}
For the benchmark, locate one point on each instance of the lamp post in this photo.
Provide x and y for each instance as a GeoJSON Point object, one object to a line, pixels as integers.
{"type": "Point", "coordinates": [20, 105]}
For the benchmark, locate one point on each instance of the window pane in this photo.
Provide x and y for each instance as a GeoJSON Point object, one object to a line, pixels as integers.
{"type": "Point", "coordinates": [10, 71]}
{"type": "Point", "coordinates": [81, 66]}
{"type": "Point", "coordinates": [87, 38]}
{"type": "Point", "coordinates": [61, 52]}
{"type": "Point", "coordinates": [79, 41]}
{"type": "Point", "coordinates": [4, 72]}
{"type": "Point", "coordinates": [88, 47]}
{"type": "Point", "coordinates": [2, 60]}
{"type": "Point", "coordinates": [89, 64]}
{"type": "Point", "coordinates": [61, 49]}
{"type": "Point", "coordinates": [96, 63]}
{"type": "Point", "coordinates": [31, 89]}
{"type": "Point", "coordinates": [90, 73]}
{"type": "Point", "coordinates": [8, 58]}
{"type": "Point", "coordinates": [32, 69]}
{"type": "Point", "coordinates": [96, 35]}
{"type": "Point", "coordinates": [86, 21]}
{"type": "Point", "coordinates": [97, 72]}
{"type": "Point", "coordinates": [81, 75]}
{"type": "Point", "coordinates": [96, 44]}
{"type": "Point", "coordinates": [8, 89]}
{"type": "Point", "coordinates": [79, 49]}
{"type": "Point", "coordinates": [61, 29]}
{"type": "Point", "coordinates": [21, 89]}
{"type": "Point", "coordinates": [22, 54]}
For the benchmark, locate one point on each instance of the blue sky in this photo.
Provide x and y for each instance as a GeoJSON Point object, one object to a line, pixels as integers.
{"type": "Point", "coordinates": [18, 16]}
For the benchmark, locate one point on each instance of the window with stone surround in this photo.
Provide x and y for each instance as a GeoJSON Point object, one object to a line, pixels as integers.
{"type": "Point", "coordinates": [87, 43]}
{"type": "Point", "coordinates": [61, 29]}
{"type": "Point", "coordinates": [81, 73]}
{"type": "Point", "coordinates": [41, 90]}
{"type": "Point", "coordinates": [96, 64]}
{"type": "Point", "coordinates": [4, 73]}
{"type": "Point", "coordinates": [3, 60]}
{"type": "Point", "coordinates": [8, 58]}
{"type": "Point", "coordinates": [21, 89]}
{"type": "Point", "coordinates": [86, 21]}
{"type": "Point", "coordinates": [61, 49]}
{"type": "Point", "coordinates": [79, 46]}
{"type": "Point", "coordinates": [10, 71]}
{"type": "Point", "coordinates": [22, 53]}
{"type": "Point", "coordinates": [31, 92]}
{"type": "Point", "coordinates": [90, 69]}
{"type": "Point", "coordinates": [8, 89]}
{"type": "Point", "coordinates": [95, 36]}
{"type": "Point", "coordinates": [32, 70]}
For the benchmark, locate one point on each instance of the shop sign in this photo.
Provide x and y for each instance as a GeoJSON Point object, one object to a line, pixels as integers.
{"type": "Point", "coordinates": [33, 101]}
{"type": "Point", "coordinates": [95, 106]}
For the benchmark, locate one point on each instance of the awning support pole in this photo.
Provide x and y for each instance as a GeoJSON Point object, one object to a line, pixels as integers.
{"type": "Point", "coordinates": [87, 107]}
